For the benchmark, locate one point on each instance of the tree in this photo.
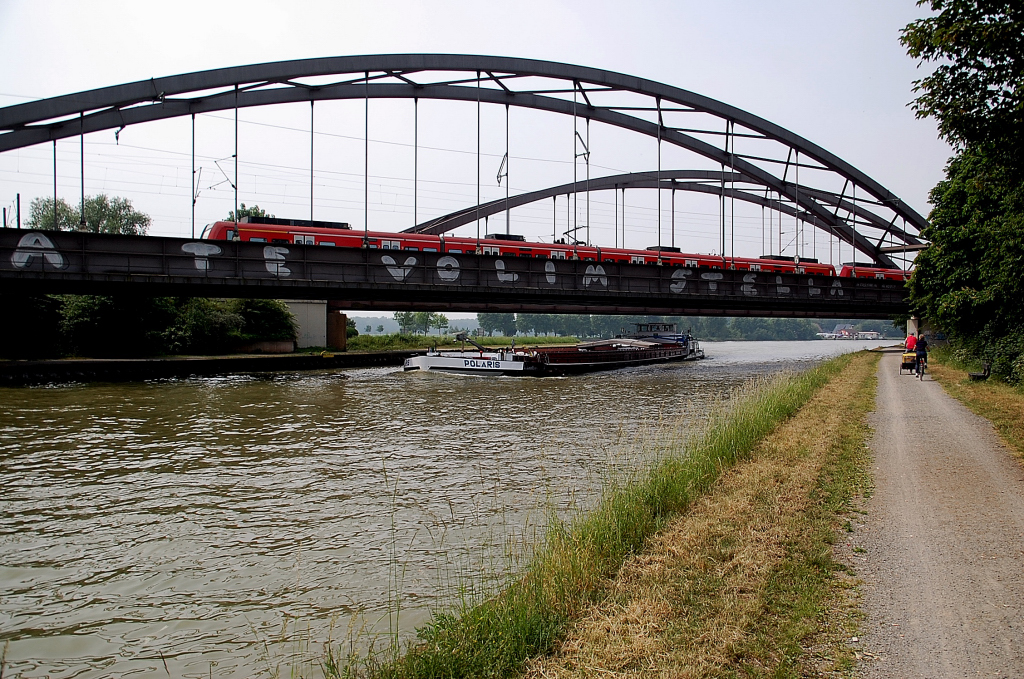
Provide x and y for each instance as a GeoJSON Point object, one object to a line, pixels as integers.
{"type": "Point", "coordinates": [505, 323]}
{"type": "Point", "coordinates": [204, 326]}
{"type": "Point", "coordinates": [967, 281]}
{"type": "Point", "coordinates": [33, 325]}
{"type": "Point", "coordinates": [422, 321]}
{"type": "Point", "coordinates": [40, 215]}
{"type": "Point", "coordinates": [406, 321]}
{"type": "Point", "coordinates": [265, 320]}
{"type": "Point", "coordinates": [488, 323]}
{"type": "Point", "coordinates": [380, 329]}
{"type": "Point", "coordinates": [114, 215]}
{"type": "Point", "coordinates": [125, 325]}
{"type": "Point", "coordinates": [439, 321]}
{"type": "Point", "coordinates": [102, 215]}
{"type": "Point", "coordinates": [243, 212]}
{"type": "Point", "coordinates": [976, 93]}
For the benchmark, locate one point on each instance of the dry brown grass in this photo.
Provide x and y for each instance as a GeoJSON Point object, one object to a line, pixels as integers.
{"type": "Point", "coordinates": [709, 595]}
{"type": "Point", "coordinates": [998, 402]}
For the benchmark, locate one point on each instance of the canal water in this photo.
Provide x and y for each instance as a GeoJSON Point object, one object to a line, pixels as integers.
{"type": "Point", "coordinates": [229, 526]}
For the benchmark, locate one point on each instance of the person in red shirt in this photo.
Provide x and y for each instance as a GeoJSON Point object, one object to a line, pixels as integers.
{"type": "Point", "coordinates": [911, 342]}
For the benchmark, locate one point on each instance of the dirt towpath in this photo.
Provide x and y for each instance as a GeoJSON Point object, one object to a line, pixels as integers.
{"type": "Point", "coordinates": [941, 548]}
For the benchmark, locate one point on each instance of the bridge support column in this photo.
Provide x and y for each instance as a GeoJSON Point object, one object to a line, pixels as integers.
{"type": "Point", "coordinates": [337, 331]}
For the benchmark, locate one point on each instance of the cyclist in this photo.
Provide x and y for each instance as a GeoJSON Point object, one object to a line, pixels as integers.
{"type": "Point", "coordinates": [910, 342]}
{"type": "Point", "coordinates": [921, 350]}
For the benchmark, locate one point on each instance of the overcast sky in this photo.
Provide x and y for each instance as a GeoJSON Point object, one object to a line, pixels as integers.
{"type": "Point", "coordinates": [833, 72]}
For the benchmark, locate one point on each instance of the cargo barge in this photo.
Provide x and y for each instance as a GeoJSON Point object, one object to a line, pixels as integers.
{"type": "Point", "coordinates": [652, 343]}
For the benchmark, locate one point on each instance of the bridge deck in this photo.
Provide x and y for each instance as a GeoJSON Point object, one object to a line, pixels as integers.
{"type": "Point", "coordinates": [88, 263]}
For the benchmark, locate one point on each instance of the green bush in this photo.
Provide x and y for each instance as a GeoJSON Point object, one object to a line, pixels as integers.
{"type": "Point", "coordinates": [264, 320]}
{"type": "Point", "coordinates": [33, 326]}
{"type": "Point", "coordinates": [1005, 354]}
{"type": "Point", "coordinates": [121, 326]}
{"type": "Point", "coordinates": [203, 326]}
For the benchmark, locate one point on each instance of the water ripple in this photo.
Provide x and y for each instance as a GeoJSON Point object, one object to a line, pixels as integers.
{"type": "Point", "coordinates": [190, 519]}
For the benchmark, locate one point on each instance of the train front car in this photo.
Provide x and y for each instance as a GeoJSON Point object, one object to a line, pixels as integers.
{"type": "Point", "coordinates": [851, 270]}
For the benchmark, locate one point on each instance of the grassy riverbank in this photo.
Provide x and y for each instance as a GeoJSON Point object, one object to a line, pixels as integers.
{"type": "Point", "coordinates": [717, 559]}
{"type": "Point", "coordinates": [995, 400]}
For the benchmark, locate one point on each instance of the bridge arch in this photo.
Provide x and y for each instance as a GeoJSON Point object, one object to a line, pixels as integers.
{"type": "Point", "coordinates": [599, 95]}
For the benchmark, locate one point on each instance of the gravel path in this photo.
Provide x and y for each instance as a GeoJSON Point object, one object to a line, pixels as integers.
{"type": "Point", "coordinates": [941, 548]}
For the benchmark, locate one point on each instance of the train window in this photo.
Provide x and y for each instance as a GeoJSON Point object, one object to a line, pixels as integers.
{"type": "Point", "coordinates": [390, 245]}
{"type": "Point", "coordinates": [327, 242]}
{"type": "Point", "coordinates": [231, 234]}
{"type": "Point", "coordinates": [429, 249]}
{"type": "Point", "coordinates": [455, 251]}
{"type": "Point", "coordinates": [258, 240]}
{"type": "Point", "coordinates": [374, 246]}
{"type": "Point", "coordinates": [525, 254]}
{"type": "Point", "coordinates": [410, 247]}
{"type": "Point", "coordinates": [541, 255]}
{"type": "Point", "coordinates": [278, 240]}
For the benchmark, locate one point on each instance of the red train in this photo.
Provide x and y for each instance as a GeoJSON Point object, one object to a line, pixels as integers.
{"type": "Point", "coordinates": [305, 232]}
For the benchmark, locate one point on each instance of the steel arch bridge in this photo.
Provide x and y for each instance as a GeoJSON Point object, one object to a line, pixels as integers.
{"type": "Point", "coordinates": [832, 195]}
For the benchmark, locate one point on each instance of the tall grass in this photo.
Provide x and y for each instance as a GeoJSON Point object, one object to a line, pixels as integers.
{"type": "Point", "coordinates": [572, 565]}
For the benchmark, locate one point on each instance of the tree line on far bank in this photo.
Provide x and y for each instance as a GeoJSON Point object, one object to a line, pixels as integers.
{"type": "Point", "coordinates": [702, 327]}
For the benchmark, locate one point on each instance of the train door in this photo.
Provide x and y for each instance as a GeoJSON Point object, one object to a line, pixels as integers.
{"type": "Point", "coordinates": [303, 240]}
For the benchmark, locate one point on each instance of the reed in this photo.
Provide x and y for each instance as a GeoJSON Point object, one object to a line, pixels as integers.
{"type": "Point", "coordinates": [572, 565]}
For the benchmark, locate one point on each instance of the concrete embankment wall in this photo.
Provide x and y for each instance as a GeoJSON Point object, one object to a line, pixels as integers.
{"type": "Point", "coordinates": [14, 373]}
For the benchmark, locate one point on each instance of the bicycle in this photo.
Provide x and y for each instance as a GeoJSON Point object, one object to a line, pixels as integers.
{"type": "Point", "coordinates": [922, 364]}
